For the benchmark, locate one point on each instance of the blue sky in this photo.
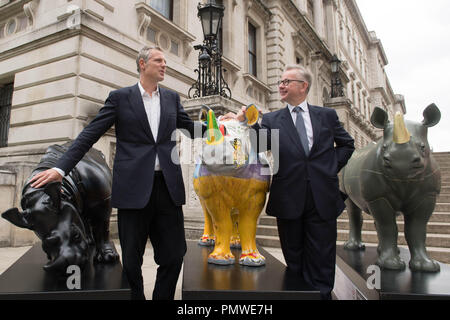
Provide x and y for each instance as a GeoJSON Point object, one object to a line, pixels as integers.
{"type": "Point", "coordinates": [416, 37]}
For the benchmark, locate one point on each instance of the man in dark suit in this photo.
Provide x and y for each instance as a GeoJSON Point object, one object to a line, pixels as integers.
{"type": "Point", "coordinates": [304, 194]}
{"type": "Point", "coordinates": [147, 187]}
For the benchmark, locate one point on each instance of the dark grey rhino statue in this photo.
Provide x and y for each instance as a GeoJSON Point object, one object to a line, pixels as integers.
{"type": "Point", "coordinates": [396, 175]}
{"type": "Point", "coordinates": [68, 217]}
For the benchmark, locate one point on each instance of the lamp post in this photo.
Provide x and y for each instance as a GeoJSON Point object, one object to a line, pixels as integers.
{"type": "Point", "coordinates": [337, 90]}
{"type": "Point", "coordinates": [210, 79]}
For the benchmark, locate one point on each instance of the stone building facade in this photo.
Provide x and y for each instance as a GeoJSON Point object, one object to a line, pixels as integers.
{"type": "Point", "coordinates": [59, 59]}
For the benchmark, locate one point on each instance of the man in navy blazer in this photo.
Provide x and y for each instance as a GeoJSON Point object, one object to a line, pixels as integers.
{"type": "Point", "coordinates": [304, 194]}
{"type": "Point", "coordinates": [147, 187]}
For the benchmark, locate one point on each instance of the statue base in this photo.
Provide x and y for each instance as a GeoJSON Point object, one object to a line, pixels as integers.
{"type": "Point", "coordinates": [206, 281]}
{"type": "Point", "coordinates": [356, 279]}
{"type": "Point", "coordinates": [26, 279]}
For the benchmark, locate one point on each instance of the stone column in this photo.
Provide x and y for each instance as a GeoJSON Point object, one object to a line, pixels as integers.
{"type": "Point", "coordinates": [318, 18]}
{"type": "Point", "coordinates": [331, 32]}
{"type": "Point", "coordinates": [275, 54]}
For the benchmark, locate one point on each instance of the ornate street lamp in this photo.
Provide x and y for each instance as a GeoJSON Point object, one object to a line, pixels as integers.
{"type": "Point", "coordinates": [210, 79]}
{"type": "Point", "coordinates": [337, 90]}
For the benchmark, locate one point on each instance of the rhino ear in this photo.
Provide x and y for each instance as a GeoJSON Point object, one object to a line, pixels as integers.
{"type": "Point", "coordinates": [431, 116]}
{"type": "Point", "coordinates": [53, 190]}
{"type": "Point", "coordinates": [16, 218]}
{"type": "Point", "coordinates": [379, 118]}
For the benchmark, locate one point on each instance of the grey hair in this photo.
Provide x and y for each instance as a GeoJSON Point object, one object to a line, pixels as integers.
{"type": "Point", "coordinates": [303, 73]}
{"type": "Point", "coordinates": [145, 53]}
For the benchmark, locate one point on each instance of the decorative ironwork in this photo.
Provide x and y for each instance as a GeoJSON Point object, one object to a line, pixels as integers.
{"type": "Point", "coordinates": [210, 80]}
{"type": "Point", "coordinates": [5, 112]}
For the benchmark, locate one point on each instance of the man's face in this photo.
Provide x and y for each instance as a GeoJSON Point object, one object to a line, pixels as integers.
{"type": "Point", "coordinates": [294, 92]}
{"type": "Point", "coordinates": [155, 68]}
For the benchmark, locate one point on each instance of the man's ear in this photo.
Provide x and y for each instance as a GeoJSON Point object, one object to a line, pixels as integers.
{"type": "Point", "coordinates": [17, 218]}
{"type": "Point", "coordinates": [53, 190]}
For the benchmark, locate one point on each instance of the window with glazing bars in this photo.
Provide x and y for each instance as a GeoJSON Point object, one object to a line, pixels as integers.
{"type": "Point", "coordinates": [252, 50]}
{"type": "Point", "coordinates": [5, 112]}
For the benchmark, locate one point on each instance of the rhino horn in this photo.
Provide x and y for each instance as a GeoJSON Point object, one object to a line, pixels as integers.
{"type": "Point", "coordinates": [214, 134]}
{"type": "Point", "coordinates": [401, 134]}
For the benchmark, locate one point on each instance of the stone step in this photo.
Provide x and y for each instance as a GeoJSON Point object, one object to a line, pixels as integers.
{"type": "Point", "coordinates": [267, 220]}
{"type": "Point", "coordinates": [193, 232]}
{"type": "Point", "coordinates": [433, 228]}
{"type": "Point", "coordinates": [442, 207]}
{"type": "Point", "coordinates": [439, 254]}
{"type": "Point", "coordinates": [442, 160]}
{"type": "Point", "coordinates": [435, 217]}
{"type": "Point", "coordinates": [443, 198]}
{"type": "Point", "coordinates": [445, 190]}
{"type": "Point", "coordinates": [443, 164]}
{"type": "Point", "coordinates": [267, 230]}
{"type": "Point", "coordinates": [433, 240]}
{"type": "Point", "coordinates": [369, 225]}
{"type": "Point", "coordinates": [441, 156]}
{"type": "Point", "coordinates": [268, 241]}
{"type": "Point", "coordinates": [439, 223]}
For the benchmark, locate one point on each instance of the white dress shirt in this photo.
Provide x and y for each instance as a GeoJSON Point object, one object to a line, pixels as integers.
{"type": "Point", "coordinates": [152, 105]}
{"type": "Point", "coordinates": [306, 120]}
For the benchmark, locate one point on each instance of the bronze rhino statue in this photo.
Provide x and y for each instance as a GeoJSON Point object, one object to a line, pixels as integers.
{"type": "Point", "coordinates": [396, 175]}
{"type": "Point", "coordinates": [71, 216]}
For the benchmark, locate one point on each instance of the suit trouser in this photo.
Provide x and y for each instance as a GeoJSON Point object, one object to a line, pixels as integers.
{"type": "Point", "coordinates": [161, 221]}
{"type": "Point", "coordinates": [309, 246]}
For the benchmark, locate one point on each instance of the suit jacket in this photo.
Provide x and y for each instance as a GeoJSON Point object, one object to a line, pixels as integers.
{"type": "Point", "coordinates": [332, 148]}
{"type": "Point", "coordinates": [136, 148]}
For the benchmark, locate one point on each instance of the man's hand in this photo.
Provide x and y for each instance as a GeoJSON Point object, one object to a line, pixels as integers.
{"type": "Point", "coordinates": [240, 116]}
{"type": "Point", "coordinates": [44, 177]}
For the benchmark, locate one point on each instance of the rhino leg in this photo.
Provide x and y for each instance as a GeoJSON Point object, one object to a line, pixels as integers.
{"type": "Point", "coordinates": [416, 220]}
{"type": "Point", "coordinates": [105, 251]}
{"type": "Point", "coordinates": [355, 221]}
{"type": "Point", "coordinates": [208, 238]}
{"type": "Point", "coordinates": [220, 214]}
{"type": "Point", "coordinates": [248, 219]}
{"type": "Point", "coordinates": [386, 225]}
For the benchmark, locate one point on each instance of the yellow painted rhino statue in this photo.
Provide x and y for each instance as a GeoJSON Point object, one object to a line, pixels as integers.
{"type": "Point", "coordinates": [231, 181]}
